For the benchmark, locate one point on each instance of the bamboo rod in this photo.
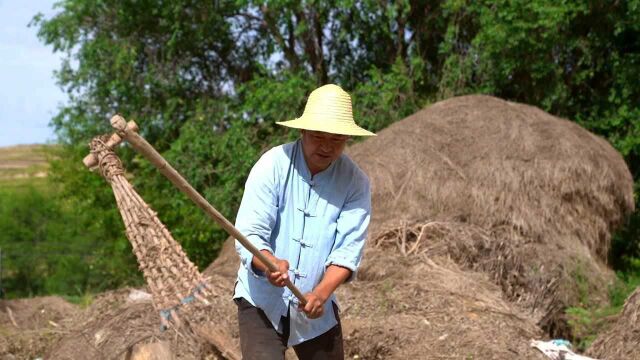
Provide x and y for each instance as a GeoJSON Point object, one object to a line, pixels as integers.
{"type": "Point", "coordinates": [128, 132]}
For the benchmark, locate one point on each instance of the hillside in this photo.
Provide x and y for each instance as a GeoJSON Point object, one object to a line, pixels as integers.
{"type": "Point", "coordinates": [22, 164]}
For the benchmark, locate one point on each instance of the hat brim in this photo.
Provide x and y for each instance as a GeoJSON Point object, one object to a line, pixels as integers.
{"type": "Point", "coordinates": [334, 128]}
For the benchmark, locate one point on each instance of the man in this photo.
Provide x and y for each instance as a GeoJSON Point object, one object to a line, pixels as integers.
{"type": "Point", "coordinates": [306, 207]}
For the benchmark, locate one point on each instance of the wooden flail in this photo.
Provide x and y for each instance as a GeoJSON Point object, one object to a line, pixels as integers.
{"type": "Point", "coordinates": [129, 132]}
{"type": "Point", "coordinates": [174, 281]}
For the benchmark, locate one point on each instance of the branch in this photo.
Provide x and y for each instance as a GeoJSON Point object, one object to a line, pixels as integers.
{"type": "Point", "coordinates": [289, 52]}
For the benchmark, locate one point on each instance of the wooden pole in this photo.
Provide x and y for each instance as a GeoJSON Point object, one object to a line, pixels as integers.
{"type": "Point", "coordinates": [128, 132]}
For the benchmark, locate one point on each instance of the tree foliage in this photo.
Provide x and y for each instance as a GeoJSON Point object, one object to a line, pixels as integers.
{"type": "Point", "coordinates": [206, 80]}
{"type": "Point", "coordinates": [50, 246]}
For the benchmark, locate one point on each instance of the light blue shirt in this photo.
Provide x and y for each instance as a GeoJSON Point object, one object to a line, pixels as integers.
{"type": "Point", "coordinates": [312, 222]}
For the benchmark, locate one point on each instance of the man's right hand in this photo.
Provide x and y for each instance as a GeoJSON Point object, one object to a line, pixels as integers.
{"type": "Point", "coordinates": [276, 278]}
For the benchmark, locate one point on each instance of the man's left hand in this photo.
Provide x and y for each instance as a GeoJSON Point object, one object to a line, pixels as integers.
{"type": "Point", "coordinates": [314, 307]}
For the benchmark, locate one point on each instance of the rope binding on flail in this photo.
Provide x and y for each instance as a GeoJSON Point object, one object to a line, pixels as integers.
{"type": "Point", "coordinates": [109, 163]}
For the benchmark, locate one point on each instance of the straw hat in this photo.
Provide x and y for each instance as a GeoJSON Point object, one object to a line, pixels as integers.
{"type": "Point", "coordinates": [328, 110]}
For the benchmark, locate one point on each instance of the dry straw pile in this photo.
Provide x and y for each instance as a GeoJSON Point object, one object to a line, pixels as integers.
{"type": "Point", "coordinates": [505, 189]}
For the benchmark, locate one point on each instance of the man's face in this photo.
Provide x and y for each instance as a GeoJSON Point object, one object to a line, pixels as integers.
{"type": "Point", "coordinates": [321, 148]}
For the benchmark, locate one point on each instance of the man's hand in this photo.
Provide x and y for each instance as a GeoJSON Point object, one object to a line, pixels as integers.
{"type": "Point", "coordinates": [278, 278]}
{"type": "Point", "coordinates": [315, 305]}
{"type": "Point", "coordinates": [333, 277]}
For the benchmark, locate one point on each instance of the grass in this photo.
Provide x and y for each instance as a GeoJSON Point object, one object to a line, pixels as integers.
{"type": "Point", "coordinates": [588, 321]}
{"type": "Point", "coordinates": [83, 300]}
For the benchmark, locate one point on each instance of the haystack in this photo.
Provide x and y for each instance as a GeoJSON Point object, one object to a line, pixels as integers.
{"type": "Point", "coordinates": [623, 339]}
{"type": "Point", "coordinates": [505, 189]}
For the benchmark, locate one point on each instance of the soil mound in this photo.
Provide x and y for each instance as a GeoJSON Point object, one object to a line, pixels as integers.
{"type": "Point", "coordinates": [29, 326]}
{"type": "Point", "coordinates": [410, 307]}
{"type": "Point", "coordinates": [505, 189]}
{"type": "Point", "coordinates": [421, 309]}
{"type": "Point", "coordinates": [621, 341]}
{"type": "Point", "coordinates": [115, 323]}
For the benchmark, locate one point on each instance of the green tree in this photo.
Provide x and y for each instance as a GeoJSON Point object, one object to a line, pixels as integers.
{"type": "Point", "coordinates": [49, 246]}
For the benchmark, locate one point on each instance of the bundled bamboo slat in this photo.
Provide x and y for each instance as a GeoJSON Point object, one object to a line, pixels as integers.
{"type": "Point", "coordinates": [173, 280]}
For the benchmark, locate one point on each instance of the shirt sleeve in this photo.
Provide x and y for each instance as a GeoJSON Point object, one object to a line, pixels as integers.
{"type": "Point", "coordinates": [258, 210]}
{"type": "Point", "coordinates": [352, 228]}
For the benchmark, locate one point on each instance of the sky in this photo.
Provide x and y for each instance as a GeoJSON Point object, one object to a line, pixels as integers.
{"type": "Point", "coordinates": [29, 96]}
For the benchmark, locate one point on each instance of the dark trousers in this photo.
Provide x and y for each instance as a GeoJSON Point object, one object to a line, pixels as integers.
{"type": "Point", "coordinates": [260, 341]}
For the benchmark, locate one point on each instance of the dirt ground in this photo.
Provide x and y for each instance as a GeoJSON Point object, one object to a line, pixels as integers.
{"type": "Point", "coordinates": [29, 326]}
